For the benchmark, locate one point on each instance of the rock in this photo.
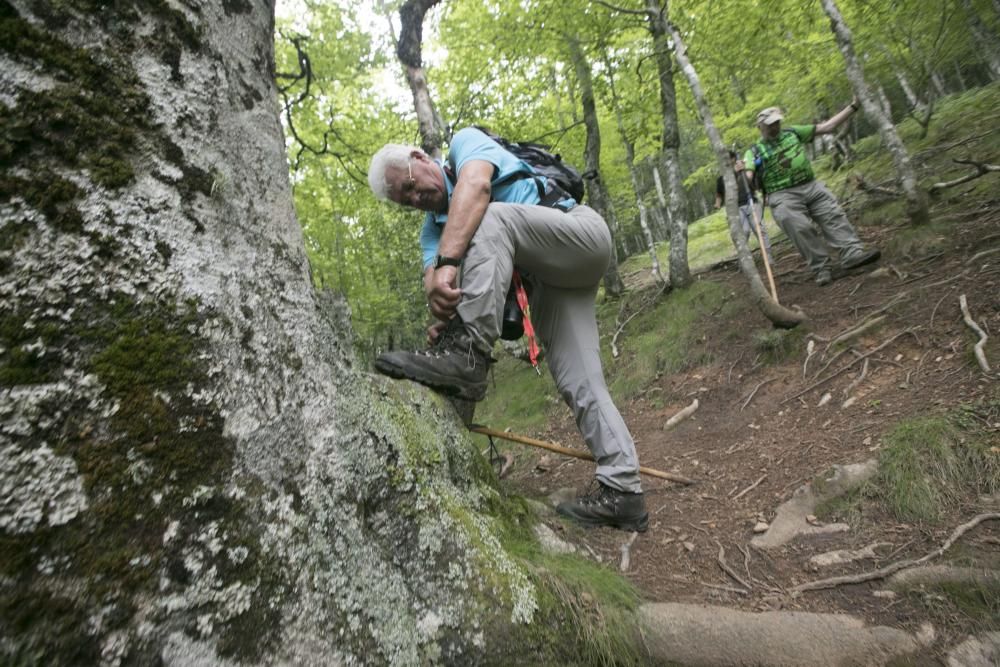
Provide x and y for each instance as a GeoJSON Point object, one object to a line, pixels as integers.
{"type": "Point", "coordinates": [544, 464]}
{"type": "Point", "coordinates": [842, 556]}
{"type": "Point", "coordinates": [824, 399]}
{"type": "Point", "coordinates": [790, 519]}
{"type": "Point", "coordinates": [550, 542]}
{"type": "Point", "coordinates": [562, 495]}
{"type": "Point", "coordinates": [761, 527]}
{"type": "Point", "coordinates": [714, 636]}
{"type": "Point", "coordinates": [885, 595]}
{"type": "Point", "coordinates": [689, 546]}
{"type": "Point", "coordinates": [983, 651]}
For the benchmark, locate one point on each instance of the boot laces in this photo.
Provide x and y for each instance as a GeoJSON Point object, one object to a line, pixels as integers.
{"type": "Point", "coordinates": [598, 494]}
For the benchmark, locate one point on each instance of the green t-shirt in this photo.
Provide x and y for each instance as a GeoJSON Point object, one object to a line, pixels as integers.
{"type": "Point", "coordinates": [784, 159]}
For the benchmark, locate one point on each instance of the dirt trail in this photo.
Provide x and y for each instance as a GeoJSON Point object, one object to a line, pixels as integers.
{"type": "Point", "coordinates": [750, 459]}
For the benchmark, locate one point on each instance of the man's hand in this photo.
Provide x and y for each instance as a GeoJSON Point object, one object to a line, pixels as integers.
{"type": "Point", "coordinates": [434, 331]}
{"type": "Point", "coordinates": [443, 294]}
{"type": "Point", "coordinates": [739, 166]}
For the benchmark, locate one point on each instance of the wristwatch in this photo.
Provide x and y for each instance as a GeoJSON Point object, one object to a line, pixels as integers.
{"type": "Point", "coordinates": [446, 261]}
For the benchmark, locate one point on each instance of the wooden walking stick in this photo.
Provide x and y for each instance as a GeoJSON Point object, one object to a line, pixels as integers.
{"type": "Point", "coordinates": [565, 451]}
{"type": "Point", "coordinates": [757, 222]}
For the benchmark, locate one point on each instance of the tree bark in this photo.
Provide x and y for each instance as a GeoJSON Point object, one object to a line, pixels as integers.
{"type": "Point", "coordinates": [196, 469]}
{"type": "Point", "coordinates": [597, 193]}
{"type": "Point", "coordinates": [986, 40]}
{"type": "Point", "coordinates": [916, 199]}
{"type": "Point", "coordinates": [772, 310]}
{"type": "Point", "coordinates": [680, 273]}
{"type": "Point", "coordinates": [408, 50]}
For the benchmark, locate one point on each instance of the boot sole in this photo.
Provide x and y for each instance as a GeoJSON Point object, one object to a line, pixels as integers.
{"type": "Point", "coordinates": [640, 525]}
{"type": "Point", "coordinates": [877, 255]}
{"type": "Point", "coordinates": [444, 384]}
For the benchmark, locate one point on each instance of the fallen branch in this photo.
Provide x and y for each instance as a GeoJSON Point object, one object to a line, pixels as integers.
{"type": "Point", "coordinates": [618, 332]}
{"type": "Point", "coordinates": [750, 488]}
{"type": "Point", "coordinates": [721, 559]}
{"type": "Point", "coordinates": [858, 380]}
{"type": "Point", "coordinates": [754, 392]}
{"type": "Point", "coordinates": [626, 550]}
{"type": "Point", "coordinates": [884, 572]}
{"type": "Point", "coordinates": [566, 451]}
{"type": "Point", "coordinates": [981, 170]}
{"type": "Point", "coordinates": [982, 254]}
{"type": "Point", "coordinates": [836, 373]}
{"type": "Point", "coordinates": [978, 349]}
{"type": "Point", "coordinates": [681, 416]}
{"type": "Point", "coordinates": [810, 351]}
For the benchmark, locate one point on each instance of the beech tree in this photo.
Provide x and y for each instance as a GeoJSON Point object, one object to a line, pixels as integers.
{"type": "Point", "coordinates": [194, 468]}
{"type": "Point", "coordinates": [916, 199]}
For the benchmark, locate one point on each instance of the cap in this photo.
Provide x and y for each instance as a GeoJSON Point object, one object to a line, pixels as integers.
{"type": "Point", "coordinates": [770, 115]}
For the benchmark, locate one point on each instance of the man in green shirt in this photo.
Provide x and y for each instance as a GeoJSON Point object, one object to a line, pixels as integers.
{"type": "Point", "coordinates": [802, 206]}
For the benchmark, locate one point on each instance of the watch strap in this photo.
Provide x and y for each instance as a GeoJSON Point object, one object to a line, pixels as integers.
{"type": "Point", "coordinates": [446, 261]}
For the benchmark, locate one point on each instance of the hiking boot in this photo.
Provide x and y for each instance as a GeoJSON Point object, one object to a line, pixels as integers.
{"type": "Point", "coordinates": [452, 366]}
{"type": "Point", "coordinates": [860, 259]}
{"type": "Point", "coordinates": [824, 277]}
{"type": "Point", "coordinates": [605, 506]}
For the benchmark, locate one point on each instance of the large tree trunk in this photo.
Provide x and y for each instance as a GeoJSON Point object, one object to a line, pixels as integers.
{"type": "Point", "coordinates": [408, 50]}
{"type": "Point", "coordinates": [916, 199]}
{"type": "Point", "coordinates": [986, 40]}
{"type": "Point", "coordinates": [772, 310]}
{"type": "Point", "coordinates": [680, 273]}
{"type": "Point", "coordinates": [597, 193]}
{"type": "Point", "coordinates": [194, 468]}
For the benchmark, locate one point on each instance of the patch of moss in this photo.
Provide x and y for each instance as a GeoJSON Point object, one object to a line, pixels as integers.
{"type": "Point", "coordinates": [586, 613]}
{"type": "Point", "coordinates": [27, 357]}
{"type": "Point", "coordinates": [158, 449]}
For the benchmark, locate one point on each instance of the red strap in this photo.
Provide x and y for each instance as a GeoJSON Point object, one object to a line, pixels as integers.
{"type": "Point", "coordinates": [529, 329]}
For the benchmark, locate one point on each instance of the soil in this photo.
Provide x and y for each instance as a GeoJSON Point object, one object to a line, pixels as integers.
{"type": "Point", "coordinates": [782, 439]}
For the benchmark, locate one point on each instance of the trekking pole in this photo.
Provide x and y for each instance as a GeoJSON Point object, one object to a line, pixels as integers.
{"type": "Point", "coordinates": [566, 451]}
{"type": "Point", "coordinates": [757, 222]}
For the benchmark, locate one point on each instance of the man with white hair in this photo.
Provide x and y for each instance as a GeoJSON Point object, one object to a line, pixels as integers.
{"type": "Point", "coordinates": [798, 200]}
{"type": "Point", "coordinates": [487, 213]}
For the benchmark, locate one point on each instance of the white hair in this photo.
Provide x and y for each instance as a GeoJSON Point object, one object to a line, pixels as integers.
{"type": "Point", "coordinates": [390, 155]}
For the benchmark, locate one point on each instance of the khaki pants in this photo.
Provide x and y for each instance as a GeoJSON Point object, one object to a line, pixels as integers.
{"type": "Point", "coordinates": [565, 256]}
{"type": "Point", "coordinates": [797, 208]}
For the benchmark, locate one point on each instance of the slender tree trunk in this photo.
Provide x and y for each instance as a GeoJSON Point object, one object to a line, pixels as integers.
{"type": "Point", "coordinates": [633, 173]}
{"type": "Point", "coordinates": [959, 77]}
{"type": "Point", "coordinates": [986, 40]}
{"type": "Point", "coordinates": [195, 467]}
{"type": "Point", "coordinates": [938, 83]}
{"type": "Point", "coordinates": [408, 50]}
{"type": "Point", "coordinates": [680, 273]}
{"type": "Point", "coordinates": [916, 199]}
{"type": "Point", "coordinates": [597, 194]}
{"type": "Point", "coordinates": [779, 315]}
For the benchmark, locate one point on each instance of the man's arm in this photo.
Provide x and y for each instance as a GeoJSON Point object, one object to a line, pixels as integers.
{"type": "Point", "coordinates": [465, 213]}
{"type": "Point", "coordinates": [832, 123]}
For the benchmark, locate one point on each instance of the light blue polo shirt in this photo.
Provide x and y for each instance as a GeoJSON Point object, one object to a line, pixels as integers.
{"type": "Point", "coordinates": [472, 144]}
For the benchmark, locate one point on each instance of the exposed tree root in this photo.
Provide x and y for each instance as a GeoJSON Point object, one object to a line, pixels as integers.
{"type": "Point", "coordinates": [982, 169]}
{"type": "Point", "coordinates": [681, 416]}
{"type": "Point", "coordinates": [814, 385]}
{"type": "Point", "coordinates": [978, 349]}
{"type": "Point", "coordinates": [884, 572]}
{"type": "Point", "coordinates": [721, 559]}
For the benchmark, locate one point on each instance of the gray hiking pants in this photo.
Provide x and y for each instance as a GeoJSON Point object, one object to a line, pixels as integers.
{"type": "Point", "coordinates": [565, 255]}
{"type": "Point", "coordinates": [795, 209]}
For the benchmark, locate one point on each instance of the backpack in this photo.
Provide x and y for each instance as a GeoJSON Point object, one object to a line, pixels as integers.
{"type": "Point", "coordinates": [758, 163]}
{"type": "Point", "coordinates": [547, 164]}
